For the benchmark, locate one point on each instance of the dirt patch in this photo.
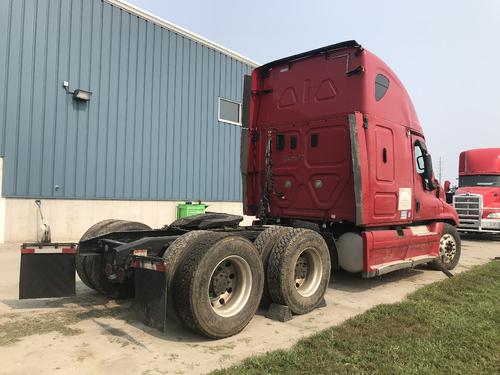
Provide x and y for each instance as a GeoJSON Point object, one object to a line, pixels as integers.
{"type": "Point", "coordinates": [15, 326]}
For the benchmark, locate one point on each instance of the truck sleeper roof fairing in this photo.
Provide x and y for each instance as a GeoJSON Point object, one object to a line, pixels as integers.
{"type": "Point", "coordinates": [317, 51]}
{"type": "Point", "coordinates": [358, 95]}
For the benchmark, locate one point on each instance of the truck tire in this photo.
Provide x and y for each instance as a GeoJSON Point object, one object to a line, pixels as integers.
{"type": "Point", "coordinates": [90, 269]}
{"type": "Point", "coordinates": [298, 272]}
{"type": "Point", "coordinates": [173, 256]}
{"type": "Point", "coordinates": [450, 249]}
{"type": "Point", "coordinates": [94, 231]}
{"type": "Point", "coordinates": [229, 268]}
{"type": "Point", "coordinates": [264, 244]}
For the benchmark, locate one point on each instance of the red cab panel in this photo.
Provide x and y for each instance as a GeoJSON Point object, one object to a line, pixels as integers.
{"type": "Point", "coordinates": [388, 250]}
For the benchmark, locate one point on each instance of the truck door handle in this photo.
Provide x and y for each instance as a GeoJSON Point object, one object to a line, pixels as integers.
{"type": "Point", "coordinates": [417, 205]}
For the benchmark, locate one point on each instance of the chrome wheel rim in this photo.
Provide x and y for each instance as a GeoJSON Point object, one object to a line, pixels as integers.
{"type": "Point", "coordinates": [230, 286]}
{"type": "Point", "coordinates": [308, 271]}
{"type": "Point", "coordinates": [447, 248]}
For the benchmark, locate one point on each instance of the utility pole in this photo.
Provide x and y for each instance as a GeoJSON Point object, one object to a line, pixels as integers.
{"type": "Point", "coordinates": [440, 169]}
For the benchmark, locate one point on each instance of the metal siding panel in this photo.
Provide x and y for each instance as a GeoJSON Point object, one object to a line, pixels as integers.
{"type": "Point", "coordinates": [222, 129]}
{"type": "Point", "coordinates": [190, 149]}
{"type": "Point", "coordinates": [228, 130]}
{"type": "Point", "coordinates": [104, 84]}
{"type": "Point", "coordinates": [155, 114]}
{"type": "Point", "coordinates": [211, 98]}
{"type": "Point", "coordinates": [163, 107]}
{"type": "Point", "coordinates": [84, 109]}
{"type": "Point", "coordinates": [183, 123]}
{"type": "Point", "coordinates": [139, 117]}
{"type": "Point", "coordinates": [237, 140]}
{"type": "Point", "coordinates": [52, 91]}
{"type": "Point", "coordinates": [112, 93]}
{"type": "Point", "coordinates": [73, 107]}
{"type": "Point", "coordinates": [63, 101]}
{"type": "Point", "coordinates": [172, 97]}
{"type": "Point", "coordinates": [216, 176]}
{"type": "Point", "coordinates": [148, 96]}
{"type": "Point", "coordinates": [222, 133]}
{"type": "Point", "coordinates": [121, 105]}
{"type": "Point", "coordinates": [5, 25]}
{"type": "Point", "coordinates": [204, 122]}
{"type": "Point", "coordinates": [231, 135]}
{"type": "Point", "coordinates": [177, 109]}
{"type": "Point", "coordinates": [132, 77]}
{"type": "Point", "coordinates": [12, 102]}
{"type": "Point", "coordinates": [92, 146]}
{"type": "Point", "coordinates": [198, 162]}
{"type": "Point", "coordinates": [25, 110]}
{"type": "Point", "coordinates": [38, 101]}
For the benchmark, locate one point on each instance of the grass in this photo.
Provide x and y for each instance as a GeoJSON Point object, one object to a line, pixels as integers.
{"type": "Point", "coordinates": [449, 327]}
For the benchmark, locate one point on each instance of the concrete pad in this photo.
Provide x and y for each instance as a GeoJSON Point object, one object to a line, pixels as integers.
{"type": "Point", "coordinates": [112, 345]}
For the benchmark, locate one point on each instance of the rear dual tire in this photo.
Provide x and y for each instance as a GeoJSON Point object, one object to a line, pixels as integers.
{"type": "Point", "coordinates": [218, 286]}
{"type": "Point", "coordinates": [173, 257]}
{"type": "Point", "coordinates": [265, 243]}
{"type": "Point", "coordinates": [298, 270]}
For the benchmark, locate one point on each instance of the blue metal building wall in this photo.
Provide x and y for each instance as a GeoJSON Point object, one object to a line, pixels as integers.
{"type": "Point", "coordinates": [150, 131]}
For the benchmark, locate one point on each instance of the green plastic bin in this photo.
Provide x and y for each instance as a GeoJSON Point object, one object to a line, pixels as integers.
{"type": "Point", "coordinates": [190, 209]}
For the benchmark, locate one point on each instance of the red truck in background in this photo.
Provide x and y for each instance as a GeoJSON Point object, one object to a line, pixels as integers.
{"type": "Point", "coordinates": [477, 199]}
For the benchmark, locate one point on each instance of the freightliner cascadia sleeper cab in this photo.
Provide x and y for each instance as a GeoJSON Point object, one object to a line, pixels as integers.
{"type": "Point", "coordinates": [334, 139]}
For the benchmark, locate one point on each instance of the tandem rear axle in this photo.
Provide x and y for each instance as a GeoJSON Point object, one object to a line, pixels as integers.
{"type": "Point", "coordinates": [207, 273]}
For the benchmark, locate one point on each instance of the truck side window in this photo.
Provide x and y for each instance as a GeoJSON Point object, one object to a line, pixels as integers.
{"type": "Point", "coordinates": [381, 86]}
{"type": "Point", "coordinates": [419, 160]}
{"type": "Point", "coordinates": [423, 166]}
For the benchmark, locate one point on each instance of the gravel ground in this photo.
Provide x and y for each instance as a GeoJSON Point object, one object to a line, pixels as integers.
{"type": "Point", "coordinates": [89, 334]}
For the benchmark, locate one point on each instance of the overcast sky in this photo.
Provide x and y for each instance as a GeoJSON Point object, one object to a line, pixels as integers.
{"type": "Point", "coordinates": [447, 53]}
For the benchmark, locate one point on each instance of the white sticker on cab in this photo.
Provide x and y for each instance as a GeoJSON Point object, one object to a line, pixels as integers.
{"type": "Point", "coordinates": [404, 202]}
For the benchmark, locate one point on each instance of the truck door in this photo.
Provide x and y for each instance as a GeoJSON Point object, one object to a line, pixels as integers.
{"type": "Point", "coordinates": [390, 172]}
{"type": "Point", "coordinates": [426, 204]}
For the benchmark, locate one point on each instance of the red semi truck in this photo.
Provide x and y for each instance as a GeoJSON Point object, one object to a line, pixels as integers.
{"type": "Point", "coordinates": [477, 199]}
{"type": "Point", "coordinates": [335, 167]}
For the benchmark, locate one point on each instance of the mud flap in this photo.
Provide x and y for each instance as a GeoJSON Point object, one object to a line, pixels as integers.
{"type": "Point", "coordinates": [150, 291]}
{"type": "Point", "coordinates": [47, 270]}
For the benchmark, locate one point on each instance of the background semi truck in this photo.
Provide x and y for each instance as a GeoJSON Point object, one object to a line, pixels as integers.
{"type": "Point", "coordinates": [477, 199]}
{"type": "Point", "coordinates": [335, 168]}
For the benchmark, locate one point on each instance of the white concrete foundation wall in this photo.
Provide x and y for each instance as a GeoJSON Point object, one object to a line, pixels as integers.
{"type": "Point", "coordinates": [2, 206]}
{"type": "Point", "coordinates": [69, 219]}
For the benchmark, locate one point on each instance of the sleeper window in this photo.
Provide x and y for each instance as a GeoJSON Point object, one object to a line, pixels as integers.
{"type": "Point", "coordinates": [381, 86]}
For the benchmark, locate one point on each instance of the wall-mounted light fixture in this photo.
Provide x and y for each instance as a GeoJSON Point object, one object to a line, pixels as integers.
{"type": "Point", "coordinates": [78, 94]}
